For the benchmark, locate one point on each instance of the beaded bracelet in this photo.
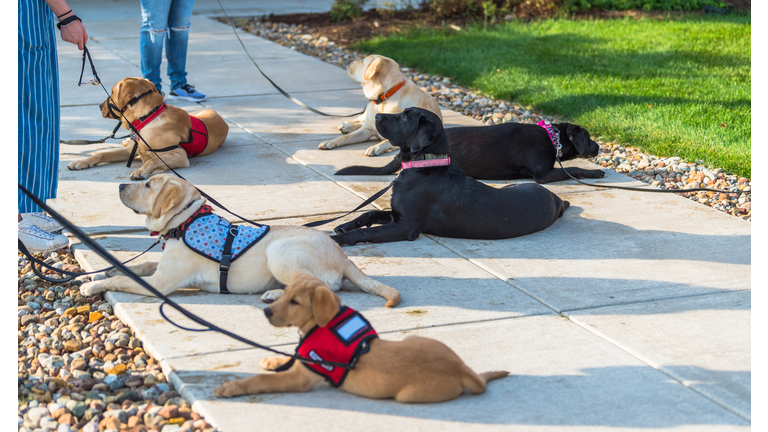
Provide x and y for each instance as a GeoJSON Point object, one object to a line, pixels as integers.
{"type": "Point", "coordinates": [67, 21]}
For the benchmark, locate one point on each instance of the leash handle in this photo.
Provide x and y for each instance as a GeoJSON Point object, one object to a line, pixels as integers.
{"type": "Point", "coordinates": [95, 80]}
{"type": "Point", "coordinates": [24, 251]}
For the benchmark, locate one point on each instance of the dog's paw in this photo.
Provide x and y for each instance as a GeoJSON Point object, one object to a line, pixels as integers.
{"type": "Point", "coordinates": [339, 240]}
{"type": "Point", "coordinates": [272, 295]}
{"type": "Point", "coordinates": [594, 174]}
{"type": "Point", "coordinates": [229, 389]}
{"type": "Point", "coordinates": [138, 175]}
{"type": "Point", "coordinates": [112, 273]}
{"type": "Point", "coordinates": [89, 289]}
{"type": "Point", "coordinates": [378, 149]}
{"type": "Point", "coordinates": [273, 363]}
{"type": "Point", "coordinates": [349, 226]}
{"type": "Point", "coordinates": [348, 127]}
{"type": "Point", "coordinates": [326, 145]}
{"type": "Point", "coordinates": [79, 165]}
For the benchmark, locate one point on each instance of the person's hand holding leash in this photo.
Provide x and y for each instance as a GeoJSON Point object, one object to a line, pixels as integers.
{"type": "Point", "coordinates": [72, 28]}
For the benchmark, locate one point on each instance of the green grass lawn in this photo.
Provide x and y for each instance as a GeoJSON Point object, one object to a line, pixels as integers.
{"type": "Point", "coordinates": [678, 87]}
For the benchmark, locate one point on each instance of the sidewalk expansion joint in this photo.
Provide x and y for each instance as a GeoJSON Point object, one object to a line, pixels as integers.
{"type": "Point", "coordinates": [403, 330]}
{"type": "Point", "coordinates": [687, 296]}
{"type": "Point", "coordinates": [659, 367]}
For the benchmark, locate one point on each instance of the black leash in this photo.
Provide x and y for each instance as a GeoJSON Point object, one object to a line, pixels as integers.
{"type": "Point", "coordinates": [365, 203]}
{"type": "Point", "coordinates": [94, 246]}
{"type": "Point", "coordinates": [283, 92]}
{"type": "Point", "coordinates": [737, 191]}
{"type": "Point", "coordinates": [24, 251]}
{"type": "Point", "coordinates": [88, 142]}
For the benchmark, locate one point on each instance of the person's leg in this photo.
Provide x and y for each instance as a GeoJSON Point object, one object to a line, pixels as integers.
{"type": "Point", "coordinates": [38, 104]}
{"type": "Point", "coordinates": [154, 29]}
{"type": "Point", "coordinates": [176, 46]}
{"type": "Point", "coordinates": [38, 124]}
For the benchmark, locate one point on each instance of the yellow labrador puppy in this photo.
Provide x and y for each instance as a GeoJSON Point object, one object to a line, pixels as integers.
{"type": "Point", "coordinates": [281, 254]}
{"type": "Point", "coordinates": [416, 369]}
{"type": "Point", "coordinates": [388, 92]}
{"type": "Point", "coordinates": [163, 126]}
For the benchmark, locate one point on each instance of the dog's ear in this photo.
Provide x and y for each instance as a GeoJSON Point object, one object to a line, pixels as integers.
{"type": "Point", "coordinates": [372, 68]}
{"type": "Point", "coordinates": [325, 305]}
{"type": "Point", "coordinates": [170, 196]}
{"type": "Point", "coordinates": [579, 137]}
{"type": "Point", "coordinates": [425, 134]}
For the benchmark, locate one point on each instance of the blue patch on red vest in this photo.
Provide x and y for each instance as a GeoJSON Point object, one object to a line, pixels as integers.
{"type": "Point", "coordinates": [206, 235]}
{"type": "Point", "coordinates": [343, 340]}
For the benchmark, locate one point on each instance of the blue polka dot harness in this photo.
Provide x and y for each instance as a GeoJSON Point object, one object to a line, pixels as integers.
{"type": "Point", "coordinates": [217, 239]}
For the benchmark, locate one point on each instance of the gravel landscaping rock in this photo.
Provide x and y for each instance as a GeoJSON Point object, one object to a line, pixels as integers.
{"type": "Point", "coordinates": [81, 370]}
{"type": "Point", "coordinates": [662, 172]}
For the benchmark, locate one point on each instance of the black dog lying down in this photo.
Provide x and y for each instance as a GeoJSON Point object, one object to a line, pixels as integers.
{"type": "Point", "coordinates": [508, 151]}
{"type": "Point", "coordinates": [439, 199]}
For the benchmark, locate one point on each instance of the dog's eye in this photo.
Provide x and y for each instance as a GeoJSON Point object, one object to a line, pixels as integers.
{"type": "Point", "coordinates": [293, 301]}
{"type": "Point", "coordinates": [403, 116]}
{"type": "Point", "coordinates": [146, 184]}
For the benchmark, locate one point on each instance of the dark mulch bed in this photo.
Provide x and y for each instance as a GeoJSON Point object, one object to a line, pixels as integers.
{"type": "Point", "coordinates": [373, 23]}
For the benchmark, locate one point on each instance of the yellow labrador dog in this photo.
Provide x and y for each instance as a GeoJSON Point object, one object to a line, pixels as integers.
{"type": "Point", "coordinates": [416, 369]}
{"type": "Point", "coordinates": [161, 125]}
{"type": "Point", "coordinates": [388, 92]}
{"type": "Point", "coordinates": [279, 257]}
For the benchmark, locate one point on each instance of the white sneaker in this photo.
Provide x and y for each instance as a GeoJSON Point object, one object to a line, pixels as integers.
{"type": "Point", "coordinates": [42, 221]}
{"type": "Point", "coordinates": [39, 241]}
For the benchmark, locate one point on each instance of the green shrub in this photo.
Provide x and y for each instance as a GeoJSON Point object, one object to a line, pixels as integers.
{"type": "Point", "coordinates": [346, 9]}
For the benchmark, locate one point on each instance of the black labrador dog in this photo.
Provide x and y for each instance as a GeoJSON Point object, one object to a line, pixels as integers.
{"type": "Point", "coordinates": [441, 200]}
{"type": "Point", "coordinates": [508, 151]}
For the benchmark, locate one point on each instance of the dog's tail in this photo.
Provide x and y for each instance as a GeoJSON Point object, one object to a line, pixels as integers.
{"type": "Point", "coordinates": [475, 383]}
{"type": "Point", "coordinates": [365, 283]}
{"type": "Point", "coordinates": [389, 168]}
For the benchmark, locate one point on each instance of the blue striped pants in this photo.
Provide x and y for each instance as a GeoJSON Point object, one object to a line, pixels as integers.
{"type": "Point", "coordinates": [38, 103]}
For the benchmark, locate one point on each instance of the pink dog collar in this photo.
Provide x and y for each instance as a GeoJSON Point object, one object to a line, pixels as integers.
{"type": "Point", "coordinates": [554, 136]}
{"type": "Point", "coordinates": [426, 163]}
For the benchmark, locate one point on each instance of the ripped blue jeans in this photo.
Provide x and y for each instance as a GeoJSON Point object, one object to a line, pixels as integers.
{"type": "Point", "coordinates": [165, 21]}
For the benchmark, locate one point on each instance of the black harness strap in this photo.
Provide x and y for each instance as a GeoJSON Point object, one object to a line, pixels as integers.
{"type": "Point", "coordinates": [226, 259]}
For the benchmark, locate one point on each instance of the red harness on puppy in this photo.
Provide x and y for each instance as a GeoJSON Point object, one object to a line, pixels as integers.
{"type": "Point", "coordinates": [198, 134]}
{"type": "Point", "coordinates": [343, 340]}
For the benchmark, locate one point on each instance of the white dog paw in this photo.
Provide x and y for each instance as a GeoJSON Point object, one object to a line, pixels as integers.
{"type": "Point", "coordinates": [347, 127]}
{"type": "Point", "coordinates": [272, 295]}
{"type": "Point", "coordinates": [378, 149]}
{"type": "Point", "coordinates": [91, 288]}
{"type": "Point", "coordinates": [138, 175]}
{"type": "Point", "coordinates": [78, 165]}
{"type": "Point", "coordinates": [113, 273]}
{"type": "Point", "coordinates": [326, 145]}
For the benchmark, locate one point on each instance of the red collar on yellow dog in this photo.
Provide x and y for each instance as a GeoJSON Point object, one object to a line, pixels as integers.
{"type": "Point", "coordinates": [141, 122]}
{"type": "Point", "coordinates": [389, 93]}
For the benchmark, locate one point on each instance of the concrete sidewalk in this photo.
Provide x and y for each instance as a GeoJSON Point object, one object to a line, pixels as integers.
{"type": "Point", "coordinates": [631, 312]}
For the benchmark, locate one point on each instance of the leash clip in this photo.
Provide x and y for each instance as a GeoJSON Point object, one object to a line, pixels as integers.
{"type": "Point", "coordinates": [94, 81]}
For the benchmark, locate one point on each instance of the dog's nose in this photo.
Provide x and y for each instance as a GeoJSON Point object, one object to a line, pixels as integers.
{"type": "Point", "coordinates": [123, 186]}
{"type": "Point", "coordinates": [268, 312]}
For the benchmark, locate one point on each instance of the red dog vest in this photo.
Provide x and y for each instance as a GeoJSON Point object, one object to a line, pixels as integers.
{"type": "Point", "coordinates": [343, 340]}
{"type": "Point", "coordinates": [199, 138]}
